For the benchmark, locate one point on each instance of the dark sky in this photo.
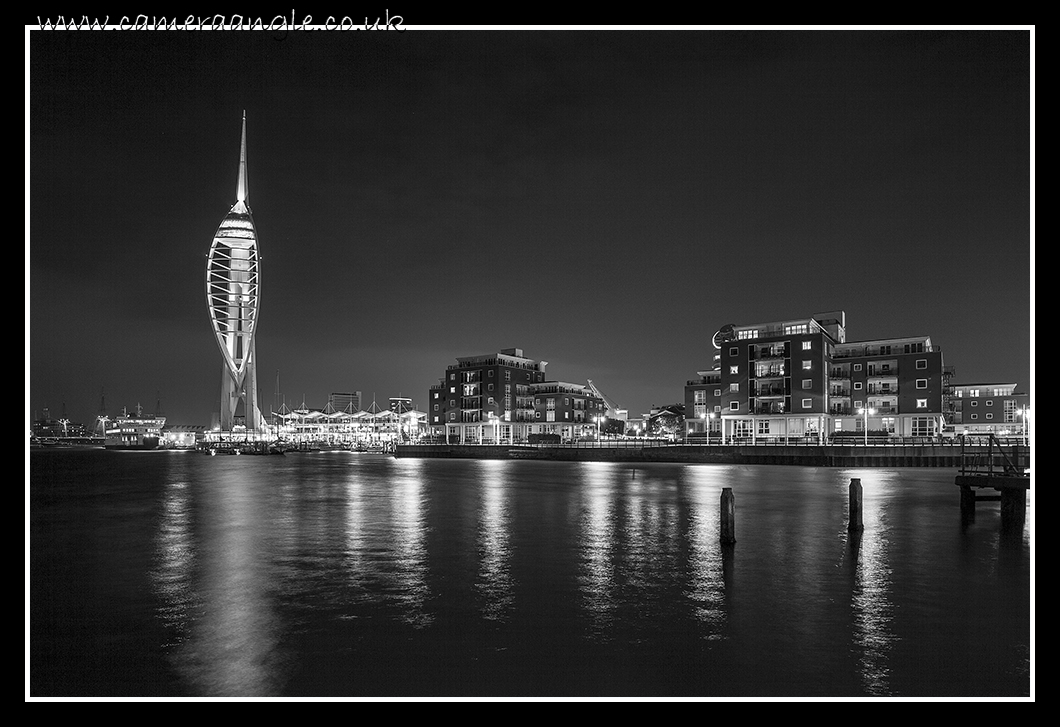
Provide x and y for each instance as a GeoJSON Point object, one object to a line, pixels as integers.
{"type": "Point", "coordinates": [604, 200]}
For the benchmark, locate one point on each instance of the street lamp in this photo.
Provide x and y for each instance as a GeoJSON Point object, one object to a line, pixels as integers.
{"type": "Point", "coordinates": [1024, 413]}
{"type": "Point", "coordinates": [597, 420]}
{"type": "Point", "coordinates": [865, 412]}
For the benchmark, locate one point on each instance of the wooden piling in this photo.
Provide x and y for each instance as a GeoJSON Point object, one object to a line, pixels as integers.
{"type": "Point", "coordinates": [728, 516]}
{"type": "Point", "coordinates": [967, 504]}
{"type": "Point", "coordinates": [856, 523]}
{"type": "Point", "coordinates": [1013, 508]}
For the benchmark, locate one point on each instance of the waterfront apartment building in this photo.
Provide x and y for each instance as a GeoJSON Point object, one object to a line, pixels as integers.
{"type": "Point", "coordinates": [802, 379]}
{"type": "Point", "coordinates": [505, 397]}
{"type": "Point", "coordinates": [988, 409]}
{"type": "Point", "coordinates": [348, 402]}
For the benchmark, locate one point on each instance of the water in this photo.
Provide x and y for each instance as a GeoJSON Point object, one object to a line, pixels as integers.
{"type": "Point", "coordinates": [171, 574]}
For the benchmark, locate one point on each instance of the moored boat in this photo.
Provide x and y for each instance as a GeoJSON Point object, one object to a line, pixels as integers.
{"type": "Point", "coordinates": [134, 431]}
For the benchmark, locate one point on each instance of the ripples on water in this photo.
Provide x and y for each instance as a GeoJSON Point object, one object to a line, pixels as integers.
{"type": "Point", "coordinates": [337, 574]}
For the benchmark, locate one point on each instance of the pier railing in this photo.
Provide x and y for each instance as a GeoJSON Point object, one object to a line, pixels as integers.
{"type": "Point", "coordinates": [970, 444]}
{"type": "Point", "coordinates": [999, 457]}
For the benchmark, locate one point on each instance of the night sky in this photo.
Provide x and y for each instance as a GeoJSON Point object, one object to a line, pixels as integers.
{"type": "Point", "coordinates": [604, 200]}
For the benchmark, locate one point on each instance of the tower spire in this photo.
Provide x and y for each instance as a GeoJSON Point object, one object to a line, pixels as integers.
{"type": "Point", "coordinates": [241, 190]}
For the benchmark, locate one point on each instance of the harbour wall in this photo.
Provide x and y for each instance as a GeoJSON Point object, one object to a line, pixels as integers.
{"type": "Point", "coordinates": [943, 455]}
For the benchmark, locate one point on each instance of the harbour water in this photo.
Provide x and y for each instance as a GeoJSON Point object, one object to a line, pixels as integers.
{"type": "Point", "coordinates": [337, 574]}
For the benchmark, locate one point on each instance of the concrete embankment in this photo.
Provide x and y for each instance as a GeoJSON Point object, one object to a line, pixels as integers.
{"type": "Point", "coordinates": [920, 455]}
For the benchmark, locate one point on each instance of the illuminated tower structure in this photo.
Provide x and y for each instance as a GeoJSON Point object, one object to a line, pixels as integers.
{"type": "Point", "coordinates": [233, 294]}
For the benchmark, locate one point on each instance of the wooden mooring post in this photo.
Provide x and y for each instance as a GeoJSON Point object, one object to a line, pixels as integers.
{"type": "Point", "coordinates": [856, 522]}
{"type": "Point", "coordinates": [728, 516]}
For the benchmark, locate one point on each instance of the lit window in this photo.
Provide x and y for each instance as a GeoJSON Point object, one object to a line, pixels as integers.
{"type": "Point", "coordinates": [734, 386]}
{"type": "Point", "coordinates": [922, 404]}
{"type": "Point", "coordinates": [807, 365]}
{"type": "Point", "coordinates": [807, 383]}
{"type": "Point", "coordinates": [806, 345]}
{"type": "Point", "coordinates": [734, 369]}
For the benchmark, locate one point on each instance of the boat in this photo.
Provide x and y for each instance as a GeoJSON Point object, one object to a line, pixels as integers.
{"type": "Point", "coordinates": [134, 431]}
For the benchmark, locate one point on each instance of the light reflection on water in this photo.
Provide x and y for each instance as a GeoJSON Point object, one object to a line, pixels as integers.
{"type": "Point", "coordinates": [494, 581]}
{"type": "Point", "coordinates": [870, 595]}
{"type": "Point", "coordinates": [366, 575]}
{"type": "Point", "coordinates": [707, 567]}
{"type": "Point", "coordinates": [219, 595]}
{"type": "Point", "coordinates": [407, 572]}
{"type": "Point", "coordinates": [597, 579]}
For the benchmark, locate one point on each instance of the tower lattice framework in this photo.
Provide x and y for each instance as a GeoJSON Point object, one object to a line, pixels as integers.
{"type": "Point", "coordinates": [233, 295]}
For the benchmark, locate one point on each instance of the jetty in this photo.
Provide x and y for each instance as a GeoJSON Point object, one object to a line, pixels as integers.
{"type": "Point", "coordinates": [1004, 473]}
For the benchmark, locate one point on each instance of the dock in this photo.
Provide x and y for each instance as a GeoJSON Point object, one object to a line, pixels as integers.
{"type": "Point", "coordinates": [1004, 472]}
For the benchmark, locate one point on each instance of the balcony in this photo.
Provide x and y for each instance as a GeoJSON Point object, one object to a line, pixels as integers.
{"type": "Point", "coordinates": [770, 353]}
{"type": "Point", "coordinates": [769, 408]}
{"type": "Point", "coordinates": [769, 391]}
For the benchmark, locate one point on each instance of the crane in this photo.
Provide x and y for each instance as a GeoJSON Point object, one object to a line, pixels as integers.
{"type": "Point", "coordinates": [613, 410]}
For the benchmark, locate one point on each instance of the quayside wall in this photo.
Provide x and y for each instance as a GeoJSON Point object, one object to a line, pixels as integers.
{"type": "Point", "coordinates": [921, 455]}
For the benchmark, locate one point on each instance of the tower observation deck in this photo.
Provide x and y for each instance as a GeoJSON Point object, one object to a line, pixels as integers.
{"type": "Point", "coordinates": [233, 294]}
